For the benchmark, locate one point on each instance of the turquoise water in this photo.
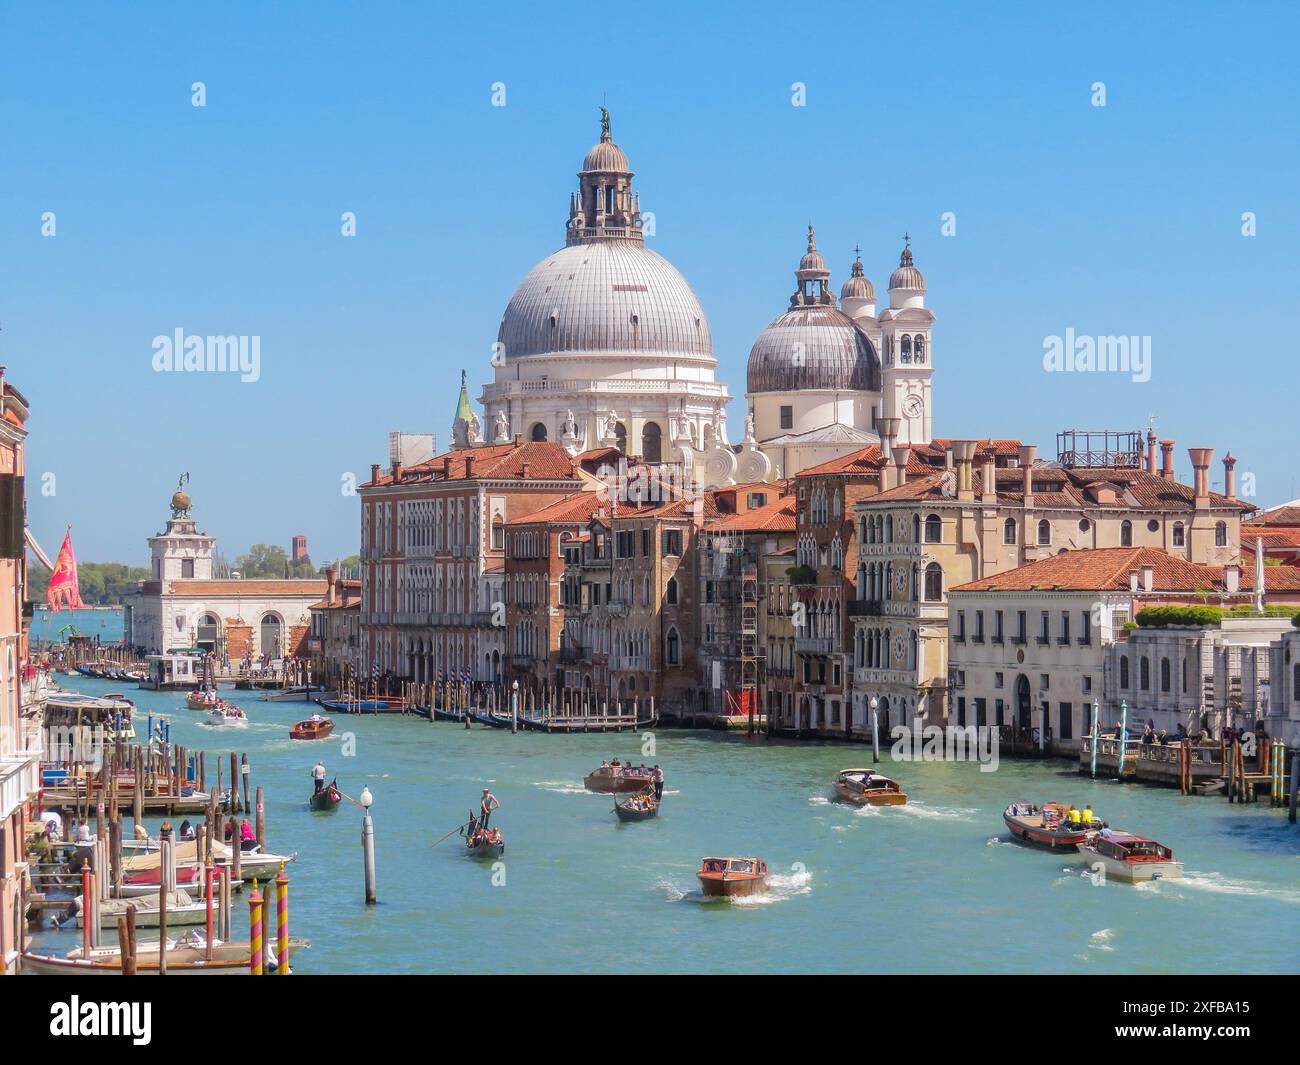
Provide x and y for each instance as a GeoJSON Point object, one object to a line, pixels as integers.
{"type": "Point", "coordinates": [107, 624]}
{"type": "Point", "coordinates": [934, 886]}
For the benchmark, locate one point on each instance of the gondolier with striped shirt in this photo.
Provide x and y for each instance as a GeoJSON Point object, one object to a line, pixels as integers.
{"type": "Point", "coordinates": [489, 803]}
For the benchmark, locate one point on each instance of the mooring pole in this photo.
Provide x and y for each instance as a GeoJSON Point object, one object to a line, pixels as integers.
{"type": "Point", "coordinates": [368, 845]}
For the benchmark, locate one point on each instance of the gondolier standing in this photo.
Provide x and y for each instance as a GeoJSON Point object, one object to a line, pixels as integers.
{"type": "Point", "coordinates": [318, 777]}
{"type": "Point", "coordinates": [486, 807]}
{"type": "Point", "coordinates": [659, 782]}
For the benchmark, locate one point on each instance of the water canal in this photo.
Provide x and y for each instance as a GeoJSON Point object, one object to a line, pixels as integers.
{"type": "Point", "coordinates": [934, 886]}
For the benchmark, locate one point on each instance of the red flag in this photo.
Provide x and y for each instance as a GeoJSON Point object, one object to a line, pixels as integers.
{"type": "Point", "coordinates": [64, 589]}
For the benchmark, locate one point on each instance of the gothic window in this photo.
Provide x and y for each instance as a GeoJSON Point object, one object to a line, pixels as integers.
{"type": "Point", "coordinates": [933, 529]}
{"type": "Point", "coordinates": [1126, 534]}
{"type": "Point", "coordinates": [670, 594]}
{"type": "Point", "coordinates": [674, 648]}
{"type": "Point", "coordinates": [906, 349]}
{"type": "Point", "coordinates": [1144, 673]}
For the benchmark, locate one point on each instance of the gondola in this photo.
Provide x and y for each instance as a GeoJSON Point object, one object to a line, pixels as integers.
{"type": "Point", "coordinates": [439, 714]}
{"type": "Point", "coordinates": [485, 843]}
{"type": "Point", "coordinates": [494, 720]}
{"type": "Point", "coordinates": [328, 798]}
{"type": "Point", "coordinates": [639, 807]}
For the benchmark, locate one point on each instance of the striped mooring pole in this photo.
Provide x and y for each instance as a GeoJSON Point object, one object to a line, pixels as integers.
{"type": "Point", "coordinates": [281, 923]}
{"type": "Point", "coordinates": [255, 932]}
{"type": "Point", "coordinates": [1123, 738]}
{"type": "Point", "coordinates": [1096, 734]}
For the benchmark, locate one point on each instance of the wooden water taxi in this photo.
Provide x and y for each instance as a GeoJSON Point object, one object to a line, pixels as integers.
{"type": "Point", "coordinates": [202, 700]}
{"type": "Point", "coordinates": [1131, 858]}
{"type": "Point", "coordinates": [314, 728]}
{"type": "Point", "coordinates": [640, 807]}
{"type": "Point", "coordinates": [328, 798]}
{"type": "Point", "coordinates": [1047, 825]}
{"type": "Point", "coordinates": [485, 843]}
{"type": "Point", "coordinates": [866, 787]}
{"type": "Point", "coordinates": [732, 877]}
{"type": "Point", "coordinates": [610, 779]}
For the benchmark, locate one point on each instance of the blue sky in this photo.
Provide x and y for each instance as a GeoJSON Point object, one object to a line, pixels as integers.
{"type": "Point", "coordinates": [225, 219]}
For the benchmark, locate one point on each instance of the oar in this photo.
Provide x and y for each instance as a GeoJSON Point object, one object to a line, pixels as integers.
{"type": "Point", "coordinates": [452, 832]}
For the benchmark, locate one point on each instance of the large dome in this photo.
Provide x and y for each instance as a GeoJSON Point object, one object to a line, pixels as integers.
{"type": "Point", "coordinates": [816, 347]}
{"type": "Point", "coordinates": [607, 296]}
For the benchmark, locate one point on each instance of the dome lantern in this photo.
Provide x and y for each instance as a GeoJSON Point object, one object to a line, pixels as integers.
{"type": "Point", "coordinates": [604, 207]}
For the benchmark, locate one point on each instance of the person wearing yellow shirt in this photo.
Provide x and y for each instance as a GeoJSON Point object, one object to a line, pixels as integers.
{"type": "Point", "coordinates": [1075, 816]}
{"type": "Point", "coordinates": [1088, 816]}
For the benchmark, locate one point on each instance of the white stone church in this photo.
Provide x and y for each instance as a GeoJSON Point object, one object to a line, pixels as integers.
{"type": "Point", "coordinates": [605, 344]}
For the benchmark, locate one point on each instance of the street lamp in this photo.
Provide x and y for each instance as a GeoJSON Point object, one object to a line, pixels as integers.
{"type": "Point", "coordinates": [368, 843]}
{"type": "Point", "coordinates": [875, 729]}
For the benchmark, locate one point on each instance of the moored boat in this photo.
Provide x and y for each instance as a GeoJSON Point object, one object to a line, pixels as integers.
{"type": "Point", "coordinates": [328, 798]}
{"type": "Point", "coordinates": [609, 779]}
{"type": "Point", "coordinates": [374, 704]}
{"type": "Point", "coordinates": [1047, 825]}
{"type": "Point", "coordinates": [187, 956]}
{"type": "Point", "coordinates": [732, 877]}
{"type": "Point", "coordinates": [866, 787]}
{"type": "Point", "coordinates": [640, 807]}
{"type": "Point", "coordinates": [313, 728]}
{"type": "Point", "coordinates": [1129, 857]}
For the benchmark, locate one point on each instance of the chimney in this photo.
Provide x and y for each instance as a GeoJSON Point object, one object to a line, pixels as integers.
{"type": "Point", "coordinates": [988, 480]}
{"type": "Point", "coordinates": [1148, 578]}
{"type": "Point", "coordinates": [947, 457]}
{"type": "Point", "coordinates": [1230, 475]}
{"type": "Point", "coordinates": [1133, 581]}
{"type": "Point", "coordinates": [888, 430]}
{"type": "Point", "coordinates": [1028, 456]}
{"type": "Point", "coordinates": [1151, 451]}
{"type": "Point", "coordinates": [331, 585]}
{"type": "Point", "coordinates": [397, 471]}
{"type": "Point", "coordinates": [1232, 579]}
{"type": "Point", "coordinates": [964, 454]}
{"type": "Point", "coordinates": [519, 439]}
{"type": "Point", "coordinates": [446, 466]}
{"type": "Point", "coordinates": [374, 472]}
{"type": "Point", "coordinates": [469, 466]}
{"type": "Point", "coordinates": [900, 465]}
{"type": "Point", "coordinates": [525, 469]}
{"type": "Point", "coordinates": [1201, 459]}
{"type": "Point", "coordinates": [1167, 459]}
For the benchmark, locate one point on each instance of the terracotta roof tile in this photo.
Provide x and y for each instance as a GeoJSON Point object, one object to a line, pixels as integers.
{"type": "Point", "coordinates": [545, 460]}
{"type": "Point", "coordinates": [778, 516]}
{"type": "Point", "coordinates": [1107, 569]}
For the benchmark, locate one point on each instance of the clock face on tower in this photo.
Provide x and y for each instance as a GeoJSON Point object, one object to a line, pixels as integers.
{"type": "Point", "coordinates": [913, 406]}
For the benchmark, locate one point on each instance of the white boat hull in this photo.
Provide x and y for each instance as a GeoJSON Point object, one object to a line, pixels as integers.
{"type": "Point", "coordinates": [1131, 872]}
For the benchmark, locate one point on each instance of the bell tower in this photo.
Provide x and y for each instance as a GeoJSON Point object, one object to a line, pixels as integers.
{"type": "Point", "coordinates": [906, 354]}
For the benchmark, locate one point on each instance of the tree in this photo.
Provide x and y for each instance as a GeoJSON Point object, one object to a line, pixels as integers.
{"type": "Point", "coordinates": [263, 561]}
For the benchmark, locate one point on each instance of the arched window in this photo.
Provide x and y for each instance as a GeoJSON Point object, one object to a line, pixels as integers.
{"type": "Point", "coordinates": [538, 433]}
{"type": "Point", "coordinates": [1221, 534]}
{"type": "Point", "coordinates": [652, 443]}
{"type": "Point", "coordinates": [674, 648]}
{"type": "Point", "coordinates": [1179, 535]}
{"type": "Point", "coordinates": [1044, 532]}
{"type": "Point", "coordinates": [919, 348]}
{"type": "Point", "coordinates": [1165, 677]}
{"type": "Point", "coordinates": [933, 583]}
{"type": "Point", "coordinates": [933, 529]}
{"type": "Point", "coordinates": [1295, 683]}
{"type": "Point", "coordinates": [670, 594]}
{"type": "Point", "coordinates": [1144, 673]}
{"type": "Point", "coordinates": [906, 349]}
{"type": "Point", "coordinates": [271, 630]}
{"type": "Point", "coordinates": [1126, 533]}
{"type": "Point", "coordinates": [916, 528]}
{"type": "Point", "coordinates": [1123, 672]}
{"type": "Point", "coordinates": [620, 437]}
{"type": "Point", "coordinates": [1009, 531]}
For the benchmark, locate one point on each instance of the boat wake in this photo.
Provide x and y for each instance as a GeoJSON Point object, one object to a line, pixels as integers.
{"type": "Point", "coordinates": [1224, 885]}
{"type": "Point", "coordinates": [945, 813]}
{"type": "Point", "coordinates": [1101, 940]}
{"type": "Point", "coordinates": [818, 800]}
{"type": "Point", "coordinates": [562, 787]}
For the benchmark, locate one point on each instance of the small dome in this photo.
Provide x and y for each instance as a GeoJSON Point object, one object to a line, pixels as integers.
{"type": "Point", "coordinates": [812, 263]}
{"type": "Point", "coordinates": [858, 286]}
{"type": "Point", "coordinates": [817, 347]}
{"type": "Point", "coordinates": [907, 275]}
{"type": "Point", "coordinates": [605, 157]}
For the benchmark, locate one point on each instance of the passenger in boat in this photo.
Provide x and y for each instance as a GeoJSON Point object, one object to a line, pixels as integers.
{"type": "Point", "coordinates": [187, 830]}
{"type": "Point", "coordinates": [141, 832]}
{"type": "Point", "coordinates": [489, 803]}
{"type": "Point", "coordinates": [1088, 816]}
{"type": "Point", "coordinates": [1075, 817]}
{"type": "Point", "coordinates": [247, 841]}
{"type": "Point", "coordinates": [318, 777]}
